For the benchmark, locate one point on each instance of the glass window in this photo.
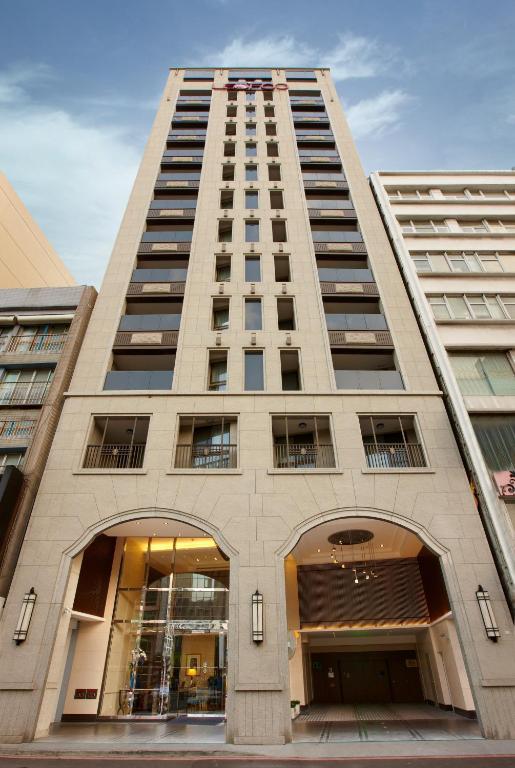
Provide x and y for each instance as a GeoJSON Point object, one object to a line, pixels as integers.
{"type": "Point", "coordinates": [250, 129]}
{"type": "Point", "coordinates": [252, 231]}
{"type": "Point", "coordinates": [252, 269]}
{"type": "Point", "coordinates": [272, 149]}
{"type": "Point", "coordinates": [251, 149]}
{"type": "Point", "coordinates": [483, 373]}
{"type": "Point", "coordinates": [228, 173]}
{"type": "Point", "coordinates": [254, 370]}
{"type": "Point", "coordinates": [458, 308]}
{"type": "Point", "coordinates": [490, 262]}
{"type": "Point", "coordinates": [274, 173]}
{"type": "Point", "coordinates": [439, 307]}
{"type": "Point", "coordinates": [422, 263]}
{"type": "Point", "coordinates": [251, 173]}
{"type": "Point", "coordinates": [222, 267]}
{"type": "Point", "coordinates": [509, 306]}
{"type": "Point", "coordinates": [302, 442]}
{"type": "Point", "coordinates": [391, 442]}
{"type": "Point", "coordinates": [496, 438]}
{"type": "Point", "coordinates": [251, 200]}
{"type": "Point", "coordinates": [217, 380]}
{"type": "Point", "coordinates": [253, 315]}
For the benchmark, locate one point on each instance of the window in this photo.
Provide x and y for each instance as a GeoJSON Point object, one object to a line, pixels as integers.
{"type": "Point", "coordinates": [251, 231]}
{"type": "Point", "coordinates": [474, 227]}
{"type": "Point", "coordinates": [282, 268]}
{"type": "Point", "coordinates": [285, 314]}
{"type": "Point", "coordinates": [272, 149]}
{"type": "Point", "coordinates": [302, 442]}
{"type": "Point", "coordinates": [251, 173]}
{"type": "Point", "coordinates": [269, 111]}
{"type": "Point", "coordinates": [229, 149]}
{"type": "Point", "coordinates": [424, 227]}
{"type": "Point", "coordinates": [228, 172]}
{"type": "Point", "coordinates": [232, 110]}
{"type": "Point", "coordinates": [496, 438]}
{"type": "Point", "coordinates": [391, 442]}
{"type": "Point", "coordinates": [473, 307]}
{"type": "Point", "coordinates": [207, 442]}
{"type": "Point", "coordinates": [366, 369]}
{"type": "Point", "coordinates": [217, 375]}
{"type": "Point", "coordinates": [222, 268]}
{"type": "Point", "coordinates": [250, 110]}
{"type": "Point", "coordinates": [10, 459]}
{"type": "Point", "coordinates": [422, 263]}
{"type": "Point", "coordinates": [25, 386]}
{"type": "Point", "coordinates": [198, 74]}
{"type": "Point", "coordinates": [17, 429]}
{"type": "Point", "coordinates": [250, 96]}
{"type": "Point", "coordinates": [279, 231]}
{"type": "Point", "coordinates": [271, 129]}
{"type": "Point", "coordinates": [254, 370]}
{"type": "Point", "coordinates": [252, 269]}
{"type": "Point", "coordinates": [290, 370]}
{"type": "Point", "coordinates": [274, 173]}
{"type": "Point", "coordinates": [226, 198]}
{"type": "Point", "coordinates": [483, 373]}
{"type": "Point", "coordinates": [250, 129]}
{"type": "Point", "coordinates": [117, 442]}
{"type": "Point", "coordinates": [220, 314]}
{"type": "Point", "coordinates": [276, 200]}
{"type": "Point", "coordinates": [225, 231]}
{"type": "Point", "coordinates": [251, 200]}
{"type": "Point", "coordinates": [251, 149]}
{"type": "Point", "coordinates": [230, 129]}
{"type": "Point", "coordinates": [253, 315]}
{"type": "Point", "coordinates": [457, 261]}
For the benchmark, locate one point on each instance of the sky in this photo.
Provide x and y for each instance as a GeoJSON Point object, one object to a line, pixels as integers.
{"type": "Point", "coordinates": [426, 84]}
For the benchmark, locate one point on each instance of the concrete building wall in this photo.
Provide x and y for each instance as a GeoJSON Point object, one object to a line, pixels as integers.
{"type": "Point", "coordinates": [27, 260]}
{"type": "Point", "coordinates": [255, 512]}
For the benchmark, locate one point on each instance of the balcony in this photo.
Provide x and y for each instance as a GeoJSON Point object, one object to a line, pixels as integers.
{"type": "Point", "coordinates": [390, 442]}
{"type": "Point", "coordinates": [356, 322]}
{"type": "Point", "coordinates": [49, 344]}
{"type": "Point", "coordinates": [364, 369]}
{"type": "Point", "coordinates": [302, 442]}
{"type": "Point", "coordinates": [152, 322]}
{"type": "Point", "coordinates": [192, 456]}
{"type": "Point", "coordinates": [158, 281]}
{"type": "Point", "coordinates": [23, 393]}
{"type": "Point", "coordinates": [117, 442]}
{"type": "Point", "coordinates": [138, 379]}
{"type": "Point", "coordinates": [207, 442]}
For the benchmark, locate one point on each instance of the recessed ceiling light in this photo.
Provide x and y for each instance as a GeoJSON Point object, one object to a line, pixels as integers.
{"type": "Point", "coordinates": [302, 425]}
{"type": "Point", "coordinates": [318, 550]}
{"type": "Point", "coordinates": [381, 545]}
{"type": "Point", "coordinates": [380, 425]}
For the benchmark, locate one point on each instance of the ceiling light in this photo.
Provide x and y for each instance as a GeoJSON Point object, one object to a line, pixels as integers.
{"type": "Point", "coordinates": [302, 425]}
{"type": "Point", "coordinates": [380, 425]}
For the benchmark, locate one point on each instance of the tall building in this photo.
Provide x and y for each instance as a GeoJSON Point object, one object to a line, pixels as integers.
{"type": "Point", "coordinates": [27, 260]}
{"type": "Point", "coordinates": [41, 330]}
{"type": "Point", "coordinates": [454, 238]}
{"type": "Point", "coordinates": [254, 496]}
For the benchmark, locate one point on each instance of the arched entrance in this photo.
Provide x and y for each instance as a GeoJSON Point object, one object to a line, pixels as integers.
{"type": "Point", "coordinates": [372, 637]}
{"type": "Point", "coordinates": [146, 615]}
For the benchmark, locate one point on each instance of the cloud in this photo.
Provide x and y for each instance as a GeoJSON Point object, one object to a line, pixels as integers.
{"type": "Point", "coordinates": [374, 116]}
{"type": "Point", "coordinates": [74, 177]}
{"type": "Point", "coordinates": [13, 81]}
{"type": "Point", "coordinates": [353, 56]}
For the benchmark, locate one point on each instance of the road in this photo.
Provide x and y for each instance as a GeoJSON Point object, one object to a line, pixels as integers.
{"type": "Point", "coordinates": [165, 761]}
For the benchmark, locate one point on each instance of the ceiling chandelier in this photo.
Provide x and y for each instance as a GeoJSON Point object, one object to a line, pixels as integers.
{"type": "Point", "coordinates": [355, 551]}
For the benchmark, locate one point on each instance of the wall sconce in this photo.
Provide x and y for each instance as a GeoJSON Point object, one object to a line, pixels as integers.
{"type": "Point", "coordinates": [257, 617]}
{"type": "Point", "coordinates": [487, 614]}
{"type": "Point", "coordinates": [24, 619]}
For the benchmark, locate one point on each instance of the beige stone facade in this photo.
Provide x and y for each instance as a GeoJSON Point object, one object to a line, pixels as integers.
{"type": "Point", "coordinates": [27, 260]}
{"type": "Point", "coordinates": [255, 507]}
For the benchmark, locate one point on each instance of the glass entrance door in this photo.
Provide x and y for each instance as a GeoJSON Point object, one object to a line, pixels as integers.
{"type": "Point", "coordinates": [168, 647]}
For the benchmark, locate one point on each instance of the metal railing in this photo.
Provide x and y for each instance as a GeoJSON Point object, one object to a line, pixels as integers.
{"type": "Point", "coordinates": [190, 456]}
{"type": "Point", "coordinates": [114, 456]}
{"type": "Point", "coordinates": [23, 393]}
{"type": "Point", "coordinates": [304, 456]}
{"type": "Point", "coordinates": [16, 430]}
{"type": "Point", "coordinates": [42, 343]}
{"type": "Point", "coordinates": [394, 455]}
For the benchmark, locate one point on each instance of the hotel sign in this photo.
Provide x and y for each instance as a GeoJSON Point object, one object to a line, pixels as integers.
{"type": "Point", "coordinates": [251, 85]}
{"type": "Point", "coordinates": [505, 482]}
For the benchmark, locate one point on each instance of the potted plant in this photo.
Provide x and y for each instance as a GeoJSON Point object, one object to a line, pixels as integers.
{"type": "Point", "coordinates": [295, 708]}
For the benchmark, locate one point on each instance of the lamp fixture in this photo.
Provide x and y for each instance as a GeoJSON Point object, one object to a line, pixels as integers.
{"type": "Point", "coordinates": [361, 559]}
{"type": "Point", "coordinates": [257, 617]}
{"type": "Point", "coordinates": [485, 606]}
{"type": "Point", "coordinates": [25, 617]}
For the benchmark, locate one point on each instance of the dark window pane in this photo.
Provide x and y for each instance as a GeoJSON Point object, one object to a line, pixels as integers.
{"type": "Point", "coordinates": [254, 377]}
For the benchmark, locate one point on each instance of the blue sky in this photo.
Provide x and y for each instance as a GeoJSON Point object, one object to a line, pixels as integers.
{"type": "Point", "coordinates": [425, 84]}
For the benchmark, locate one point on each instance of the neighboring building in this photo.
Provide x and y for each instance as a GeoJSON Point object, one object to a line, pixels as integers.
{"type": "Point", "coordinates": [41, 331]}
{"type": "Point", "coordinates": [252, 409]}
{"type": "Point", "coordinates": [454, 237]}
{"type": "Point", "coordinates": [27, 260]}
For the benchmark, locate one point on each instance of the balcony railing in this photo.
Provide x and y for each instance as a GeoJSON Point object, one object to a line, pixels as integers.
{"type": "Point", "coordinates": [190, 456]}
{"type": "Point", "coordinates": [114, 456]}
{"type": "Point", "coordinates": [23, 393]}
{"type": "Point", "coordinates": [139, 380]}
{"type": "Point", "coordinates": [16, 430]}
{"type": "Point", "coordinates": [394, 455]}
{"type": "Point", "coordinates": [48, 343]}
{"type": "Point", "coordinates": [304, 456]}
{"type": "Point", "coordinates": [382, 380]}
